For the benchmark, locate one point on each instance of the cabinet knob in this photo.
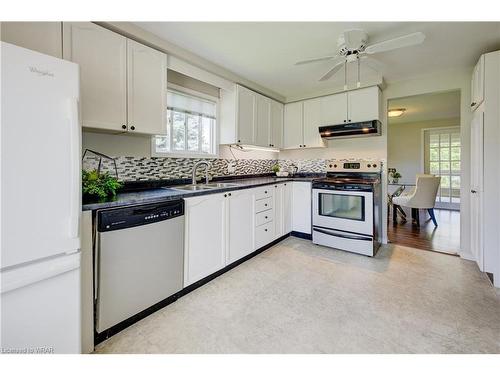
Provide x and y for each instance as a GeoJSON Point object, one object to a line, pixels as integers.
{"type": "Point", "coordinates": [472, 104]}
{"type": "Point", "coordinates": [303, 145]}
{"type": "Point", "coordinates": [345, 120]}
{"type": "Point", "coordinates": [473, 191]}
{"type": "Point", "coordinates": [265, 192]}
{"type": "Point", "coordinates": [229, 194]}
{"type": "Point", "coordinates": [225, 195]}
{"type": "Point", "coordinates": [265, 205]}
{"type": "Point", "coordinates": [239, 141]}
{"type": "Point", "coordinates": [265, 230]}
{"type": "Point", "coordinates": [265, 217]}
{"type": "Point", "coordinates": [124, 126]}
{"type": "Point", "coordinates": [132, 127]}
{"type": "Point", "coordinates": [348, 120]}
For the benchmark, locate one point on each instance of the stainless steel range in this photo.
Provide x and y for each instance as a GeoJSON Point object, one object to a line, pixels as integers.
{"type": "Point", "coordinates": [347, 206]}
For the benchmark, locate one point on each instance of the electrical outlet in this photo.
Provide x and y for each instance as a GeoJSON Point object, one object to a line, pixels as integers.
{"type": "Point", "coordinates": [231, 167]}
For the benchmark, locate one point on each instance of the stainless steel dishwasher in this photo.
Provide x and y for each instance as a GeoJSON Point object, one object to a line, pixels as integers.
{"type": "Point", "coordinates": [139, 259]}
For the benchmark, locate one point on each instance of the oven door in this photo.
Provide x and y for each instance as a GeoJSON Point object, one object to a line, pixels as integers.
{"type": "Point", "coordinates": [350, 211]}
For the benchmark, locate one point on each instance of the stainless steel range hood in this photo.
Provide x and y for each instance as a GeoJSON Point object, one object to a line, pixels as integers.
{"type": "Point", "coordinates": [351, 129]}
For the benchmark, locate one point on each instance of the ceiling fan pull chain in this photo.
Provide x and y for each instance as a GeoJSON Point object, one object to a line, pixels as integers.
{"type": "Point", "coordinates": [345, 74]}
{"type": "Point", "coordinates": [359, 80]}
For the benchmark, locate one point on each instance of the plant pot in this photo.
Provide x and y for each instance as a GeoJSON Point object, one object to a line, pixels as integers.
{"type": "Point", "coordinates": [395, 180]}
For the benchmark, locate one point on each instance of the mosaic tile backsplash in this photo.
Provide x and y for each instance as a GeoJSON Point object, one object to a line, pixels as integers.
{"type": "Point", "coordinates": [155, 168]}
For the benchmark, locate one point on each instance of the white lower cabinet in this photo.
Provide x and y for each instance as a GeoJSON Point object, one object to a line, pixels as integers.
{"type": "Point", "coordinates": [223, 228]}
{"type": "Point", "coordinates": [301, 207]}
{"type": "Point", "coordinates": [240, 222]}
{"type": "Point", "coordinates": [205, 236]}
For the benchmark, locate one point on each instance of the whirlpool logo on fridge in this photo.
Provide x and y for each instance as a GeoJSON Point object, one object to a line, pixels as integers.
{"type": "Point", "coordinates": [40, 72]}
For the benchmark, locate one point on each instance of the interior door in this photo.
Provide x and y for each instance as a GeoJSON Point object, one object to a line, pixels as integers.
{"type": "Point", "coordinates": [263, 123]}
{"type": "Point", "coordinates": [476, 192]}
{"type": "Point", "coordinates": [102, 57]}
{"type": "Point", "coordinates": [246, 116]}
{"type": "Point", "coordinates": [147, 89]}
{"type": "Point", "coordinates": [293, 136]}
{"type": "Point", "coordinates": [312, 120]}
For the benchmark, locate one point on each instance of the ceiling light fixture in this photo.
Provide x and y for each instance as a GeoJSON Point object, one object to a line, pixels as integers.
{"type": "Point", "coordinates": [396, 112]}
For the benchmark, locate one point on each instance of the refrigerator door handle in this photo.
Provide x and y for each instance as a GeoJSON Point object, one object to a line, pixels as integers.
{"type": "Point", "coordinates": [75, 170]}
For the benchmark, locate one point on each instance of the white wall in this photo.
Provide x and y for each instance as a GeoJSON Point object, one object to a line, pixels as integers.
{"type": "Point", "coordinates": [405, 148]}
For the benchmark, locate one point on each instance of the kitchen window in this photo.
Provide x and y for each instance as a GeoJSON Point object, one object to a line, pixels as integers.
{"type": "Point", "coordinates": [191, 126]}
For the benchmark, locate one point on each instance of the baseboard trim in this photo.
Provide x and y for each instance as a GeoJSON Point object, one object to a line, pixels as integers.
{"type": "Point", "coordinates": [305, 236]}
{"type": "Point", "coordinates": [100, 337]}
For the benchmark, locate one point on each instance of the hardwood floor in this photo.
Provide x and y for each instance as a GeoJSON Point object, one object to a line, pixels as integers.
{"type": "Point", "coordinates": [443, 238]}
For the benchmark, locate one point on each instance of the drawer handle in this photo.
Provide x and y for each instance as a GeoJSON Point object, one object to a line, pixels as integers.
{"type": "Point", "coordinates": [265, 230]}
{"type": "Point", "coordinates": [265, 192]}
{"type": "Point", "coordinates": [265, 204]}
{"type": "Point", "coordinates": [265, 217]}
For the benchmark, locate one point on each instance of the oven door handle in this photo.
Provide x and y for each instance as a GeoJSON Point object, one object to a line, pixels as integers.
{"type": "Point", "coordinates": [342, 235]}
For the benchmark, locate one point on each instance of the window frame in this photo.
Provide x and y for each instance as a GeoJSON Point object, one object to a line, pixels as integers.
{"type": "Point", "coordinates": [215, 131]}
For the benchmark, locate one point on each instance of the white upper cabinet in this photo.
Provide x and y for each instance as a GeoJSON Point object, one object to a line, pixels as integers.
{"type": "Point", "coordinates": [44, 37]}
{"type": "Point", "coordinates": [477, 84]}
{"type": "Point", "coordinates": [263, 121]}
{"type": "Point", "coordinates": [334, 109]}
{"type": "Point", "coordinates": [293, 135]}
{"type": "Point", "coordinates": [364, 104]}
{"type": "Point", "coordinates": [302, 120]}
{"type": "Point", "coordinates": [276, 124]}
{"type": "Point", "coordinates": [147, 89]}
{"type": "Point", "coordinates": [102, 57]}
{"type": "Point", "coordinates": [312, 121]}
{"type": "Point", "coordinates": [249, 118]}
{"type": "Point", "coordinates": [123, 83]}
{"type": "Point", "coordinates": [246, 113]}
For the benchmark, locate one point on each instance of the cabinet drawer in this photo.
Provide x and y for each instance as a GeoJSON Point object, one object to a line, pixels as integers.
{"type": "Point", "coordinates": [264, 192]}
{"type": "Point", "coordinates": [264, 234]}
{"type": "Point", "coordinates": [263, 205]}
{"type": "Point", "coordinates": [264, 217]}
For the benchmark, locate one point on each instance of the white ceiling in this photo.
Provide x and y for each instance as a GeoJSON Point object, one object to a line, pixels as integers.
{"type": "Point", "coordinates": [265, 52]}
{"type": "Point", "coordinates": [435, 106]}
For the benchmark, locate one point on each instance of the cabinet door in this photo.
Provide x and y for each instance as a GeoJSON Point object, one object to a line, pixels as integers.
{"type": "Point", "coordinates": [312, 118]}
{"type": "Point", "coordinates": [44, 37]}
{"type": "Point", "coordinates": [287, 207]}
{"type": "Point", "coordinates": [147, 89]}
{"type": "Point", "coordinates": [246, 115]}
{"type": "Point", "coordinates": [301, 207]}
{"type": "Point", "coordinates": [263, 122]}
{"type": "Point", "coordinates": [276, 124]}
{"type": "Point", "coordinates": [205, 236]}
{"type": "Point", "coordinates": [334, 109]}
{"type": "Point", "coordinates": [102, 56]}
{"type": "Point", "coordinates": [363, 104]}
{"type": "Point", "coordinates": [278, 210]}
{"type": "Point", "coordinates": [240, 223]}
{"type": "Point", "coordinates": [293, 129]}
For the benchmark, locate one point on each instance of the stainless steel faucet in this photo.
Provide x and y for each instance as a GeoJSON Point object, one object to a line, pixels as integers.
{"type": "Point", "coordinates": [195, 169]}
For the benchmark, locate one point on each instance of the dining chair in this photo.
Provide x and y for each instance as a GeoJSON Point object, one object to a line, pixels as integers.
{"type": "Point", "coordinates": [422, 197]}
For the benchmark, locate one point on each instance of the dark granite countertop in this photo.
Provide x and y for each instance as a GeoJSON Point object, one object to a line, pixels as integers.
{"type": "Point", "coordinates": [159, 194]}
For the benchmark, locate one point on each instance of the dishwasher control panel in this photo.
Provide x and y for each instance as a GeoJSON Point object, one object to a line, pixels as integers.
{"type": "Point", "coordinates": [128, 217]}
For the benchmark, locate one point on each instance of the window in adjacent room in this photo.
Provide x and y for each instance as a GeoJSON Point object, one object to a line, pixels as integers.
{"type": "Point", "coordinates": [191, 126]}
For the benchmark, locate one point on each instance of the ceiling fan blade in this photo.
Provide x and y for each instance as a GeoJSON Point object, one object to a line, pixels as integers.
{"type": "Point", "coordinates": [332, 71]}
{"type": "Point", "coordinates": [317, 59]}
{"type": "Point", "coordinates": [400, 42]}
{"type": "Point", "coordinates": [372, 63]}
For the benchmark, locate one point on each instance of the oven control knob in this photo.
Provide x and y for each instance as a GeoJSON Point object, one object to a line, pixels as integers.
{"type": "Point", "coordinates": [374, 165]}
{"type": "Point", "coordinates": [335, 166]}
{"type": "Point", "coordinates": [369, 165]}
{"type": "Point", "coordinates": [330, 165]}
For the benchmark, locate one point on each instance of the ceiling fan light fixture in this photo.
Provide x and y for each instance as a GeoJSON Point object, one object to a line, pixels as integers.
{"type": "Point", "coordinates": [396, 112]}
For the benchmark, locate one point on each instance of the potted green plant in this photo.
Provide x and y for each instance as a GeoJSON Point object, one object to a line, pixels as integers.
{"type": "Point", "coordinates": [99, 186]}
{"type": "Point", "coordinates": [277, 169]}
{"type": "Point", "coordinates": [395, 177]}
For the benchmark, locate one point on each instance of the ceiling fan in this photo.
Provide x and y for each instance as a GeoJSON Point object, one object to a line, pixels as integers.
{"type": "Point", "coordinates": [352, 46]}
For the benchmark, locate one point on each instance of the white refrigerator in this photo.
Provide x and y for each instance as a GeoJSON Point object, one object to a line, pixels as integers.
{"type": "Point", "coordinates": [40, 203]}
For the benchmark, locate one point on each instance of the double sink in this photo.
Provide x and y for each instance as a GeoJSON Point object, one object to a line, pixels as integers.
{"type": "Point", "coordinates": [198, 187]}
